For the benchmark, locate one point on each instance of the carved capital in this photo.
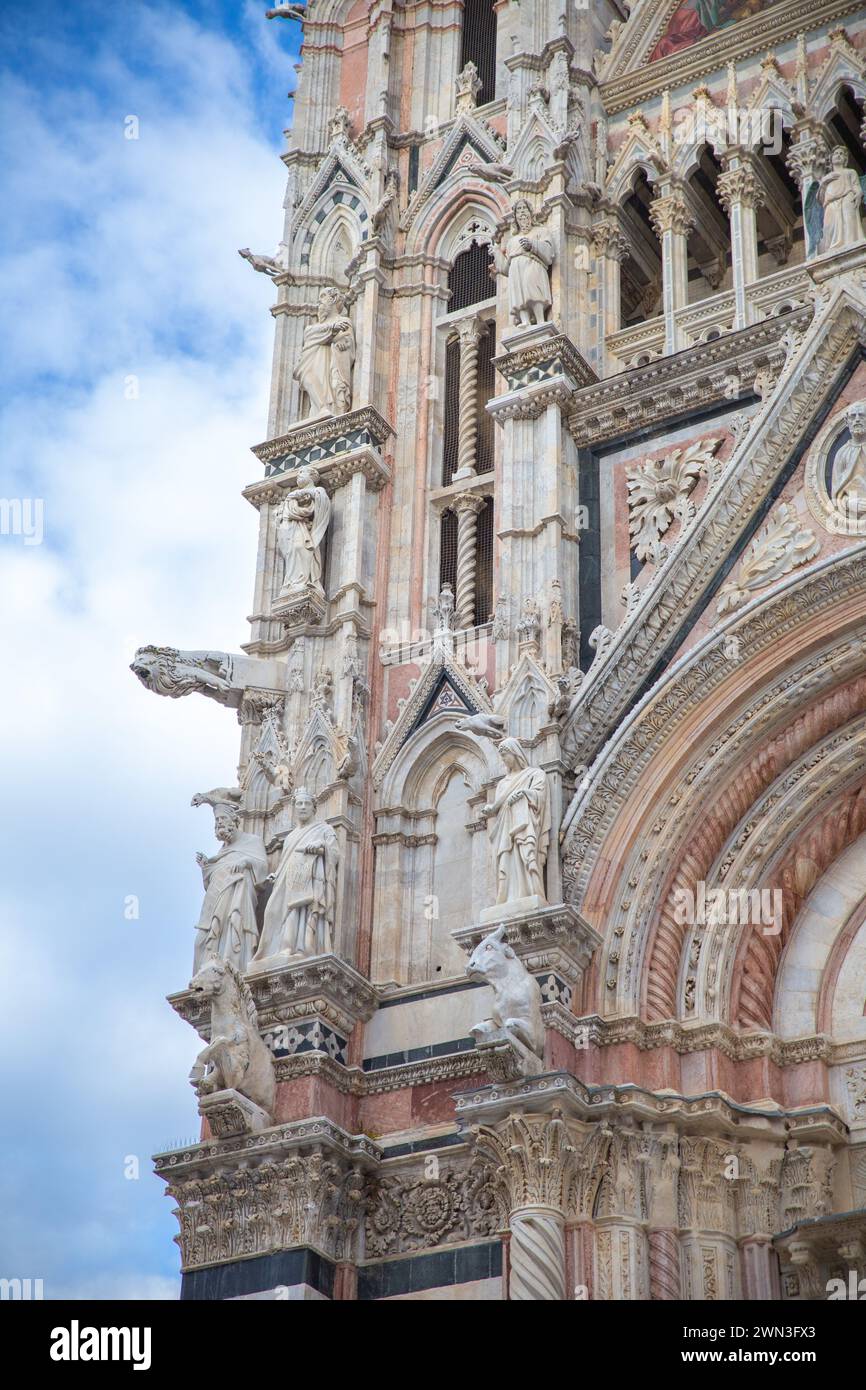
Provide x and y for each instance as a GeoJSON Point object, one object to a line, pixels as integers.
{"type": "Point", "coordinates": [671, 214]}
{"type": "Point", "coordinates": [609, 241]}
{"type": "Point", "coordinates": [740, 187]}
{"type": "Point", "coordinates": [535, 1158]}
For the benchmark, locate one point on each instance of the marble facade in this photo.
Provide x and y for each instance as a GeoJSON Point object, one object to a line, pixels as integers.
{"type": "Point", "coordinates": [624, 743]}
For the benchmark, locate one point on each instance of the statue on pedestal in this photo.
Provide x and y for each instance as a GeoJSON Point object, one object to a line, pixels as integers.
{"type": "Point", "coordinates": [299, 917]}
{"type": "Point", "coordinates": [525, 261]}
{"type": "Point", "coordinates": [301, 525]}
{"type": "Point", "coordinates": [325, 363]}
{"type": "Point", "coordinates": [840, 195]}
{"type": "Point", "coordinates": [227, 928]}
{"type": "Point", "coordinates": [519, 827]}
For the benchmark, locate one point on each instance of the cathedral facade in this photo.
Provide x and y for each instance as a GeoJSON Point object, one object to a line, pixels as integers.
{"type": "Point", "coordinates": [532, 955]}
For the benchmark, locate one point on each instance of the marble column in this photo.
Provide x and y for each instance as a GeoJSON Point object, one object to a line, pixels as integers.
{"type": "Point", "coordinates": [467, 508]}
{"type": "Point", "coordinates": [610, 247]}
{"type": "Point", "coordinates": [741, 196]}
{"type": "Point", "coordinates": [470, 332]}
{"type": "Point", "coordinates": [808, 160]}
{"type": "Point", "coordinates": [672, 222]}
{"type": "Point", "coordinates": [538, 1164]}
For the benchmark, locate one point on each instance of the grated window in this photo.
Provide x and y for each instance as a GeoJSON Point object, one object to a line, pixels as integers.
{"type": "Point", "coordinates": [448, 551]}
{"type": "Point", "coordinates": [484, 564]}
{"type": "Point", "coordinates": [469, 278]}
{"type": "Point", "coordinates": [478, 44]}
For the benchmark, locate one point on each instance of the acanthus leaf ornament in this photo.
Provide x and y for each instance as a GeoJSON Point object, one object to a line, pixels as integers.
{"type": "Point", "coordinates": [658, 494]}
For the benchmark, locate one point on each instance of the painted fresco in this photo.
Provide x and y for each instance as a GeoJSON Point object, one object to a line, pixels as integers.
{"type": "Point", "coordinates": [695, 19]}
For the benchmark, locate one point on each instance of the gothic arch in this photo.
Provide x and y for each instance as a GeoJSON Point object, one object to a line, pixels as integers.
{"type": "Point", "coordinates": [334, 231]}
{"type": "Point", "coordinates": [456, 203]}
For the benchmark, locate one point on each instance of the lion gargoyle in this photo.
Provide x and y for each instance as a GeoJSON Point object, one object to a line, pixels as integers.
{"type": "Point", "coordinates": [167, 671]}
{"type": "Point", "coordinates": [234, 1075]}
{"type": "Point", "coordinates": [512, 1038]}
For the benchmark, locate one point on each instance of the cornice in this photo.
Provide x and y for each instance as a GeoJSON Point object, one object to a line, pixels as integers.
{"type": "Point", "coordinates": [762, 32]}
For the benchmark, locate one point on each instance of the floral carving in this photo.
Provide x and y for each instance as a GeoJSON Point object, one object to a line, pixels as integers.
{"type": "Point", "coordinates": [778, 548]}
{"type": "Point", "coordinates": [658, 492]}
{"type": "Point", "coordinates": [409, 1213]}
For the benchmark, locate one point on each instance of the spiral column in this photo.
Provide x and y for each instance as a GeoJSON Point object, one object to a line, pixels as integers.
{"type": "Point", "coordinates": [470, 331]}
{"type": "Point", "coordinates": [537, 1162]}
{"type": "Point", "coordinates": [664, 1265]}
{"type": "Point", "coordinates": [467, 508]}
{"type": "Point", "coordinates": [537, 1255]}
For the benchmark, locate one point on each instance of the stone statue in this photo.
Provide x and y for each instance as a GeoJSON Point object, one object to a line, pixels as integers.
{"type": "Point", "coordinates": [301, 525]}
{"type": "Point", "coordinates": [515, 1024]}
{"type": "Point", "coordinates": [324, 367]}
{"type": "Point", "coordinates": [236, 1066]}
{"type": "Point", "coordinates": [840, 195]}
{"type": "Point", "coordinates": [167, 671]}
{"type": "Point", "coordinates": [525, 260]}
{"type": "Point", "coordinates": [227, 926]}
{"type": "Point", "coordinates": [519, 827]}
{"type": "Point", "coordinates": [848, 481]}
{"type": "Point", "coordinates": [299, 917]}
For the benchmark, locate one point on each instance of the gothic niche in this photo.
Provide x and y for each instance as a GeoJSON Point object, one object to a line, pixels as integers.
{"type": "Point", "coordinates": [431, 868]}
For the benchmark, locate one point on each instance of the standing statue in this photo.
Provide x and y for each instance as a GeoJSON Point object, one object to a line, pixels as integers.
{"type": "Point", "coordinates": [519, 826]}
{"type": "Point", "coordinates": [848, 482]}
{"type": "Point", "coordinates": [236, 1059]}
{"type": "Point", "coordinates": [227, 926]}
{"type": "Point", "coordinates": [324, 367]}
{"type": "Point", "coordinates": [525, 261]}
{"type": "Point", "coordinates": [840, 195]}
{"type": "Point", "coordinates": [299, 917]}
{"type": "Point", "coordinates": [301, 525]}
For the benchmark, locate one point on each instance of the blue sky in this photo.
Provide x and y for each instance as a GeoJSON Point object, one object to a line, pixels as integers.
{"type": "Point", "coordinates": [136, 362]}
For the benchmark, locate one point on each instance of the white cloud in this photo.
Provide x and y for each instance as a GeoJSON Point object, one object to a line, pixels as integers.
{"type": "Point", "coordinates": [124, 261]}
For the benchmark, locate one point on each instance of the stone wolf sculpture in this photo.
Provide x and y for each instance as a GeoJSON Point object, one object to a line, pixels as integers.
{"type": "Point", "coordinates": [516, 997]}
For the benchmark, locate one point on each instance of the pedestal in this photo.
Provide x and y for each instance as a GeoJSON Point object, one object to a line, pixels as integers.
{"type": "Point", "coordinates": [310, 1004]}
{"type": "Point", "coordinates": [228, 1113]}
{"type": "Point", "coordinates": [554, 942]}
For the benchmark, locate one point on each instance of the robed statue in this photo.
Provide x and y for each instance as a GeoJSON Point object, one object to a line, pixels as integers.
{"type": "Point", "coordinates": [299, 917]}
{"type": "Point", "coordinates": [301, 525]}
{"type": "Point", "coordinates": [227, 926]}
{"type": "Point", "coordinates": [519, 826]}
{"type": "Point", "coordinates": [324, 369]}
{"type": "Point", "coordinates": [525, 259]}
{"type": "Point", "coordinates": [848, 481]}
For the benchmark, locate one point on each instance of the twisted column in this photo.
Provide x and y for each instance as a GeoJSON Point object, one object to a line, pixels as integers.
{"type": "Point", "coordinates": [467, 427]}
{"type": "Point", "coordinates": [538, 1165]}
{"type": "Point", "coordinates": [664, 1263]}
{"type": "Point", "coordinates": [537, 1255]}
{"type": "Point", "coordinates": [467, 508]}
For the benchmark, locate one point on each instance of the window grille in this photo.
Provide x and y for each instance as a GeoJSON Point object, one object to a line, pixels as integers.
{"type": "Point", "coordinates": [486, 391]}
{"type": "Point", "coordinates": [452, 410]}
{"type": "Point", "coordinates": [448, 551]}
{"type": "Point", "coordinates": [484, 564]}
{"type": "Point", "coordinates": [478, 44]}
{"type": "Point", "coordinates": [469, 278]}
